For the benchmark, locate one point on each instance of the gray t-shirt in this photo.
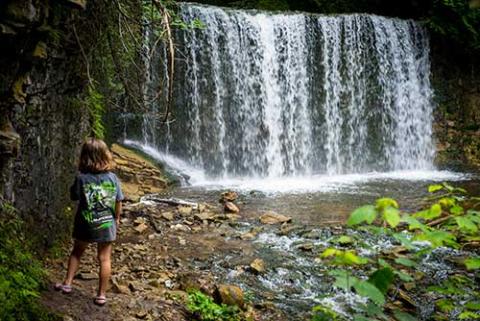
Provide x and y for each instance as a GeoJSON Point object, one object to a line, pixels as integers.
{"type": "Point", "coordinates": [97, 195]}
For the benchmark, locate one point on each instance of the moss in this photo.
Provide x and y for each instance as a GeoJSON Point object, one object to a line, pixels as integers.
{"type": "Point", "coordinates": [21, 274]}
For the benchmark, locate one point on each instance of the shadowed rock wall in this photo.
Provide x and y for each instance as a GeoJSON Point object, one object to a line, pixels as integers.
{"type": "Point", "coordinates": [42, 122]}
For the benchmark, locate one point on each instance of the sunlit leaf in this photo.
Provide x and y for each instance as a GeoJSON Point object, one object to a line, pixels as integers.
{"type": "Point", "coordinates": [437, 238]}
{"type": "Point", "coordinates": [433, 212]}
{"type": "Point", "coordinates": [330, 252]}
{"type": "Point", "coordinates": [447, 202]}
{"type": "Point", "coordinates": [434, 188]}
{"type": "Point", "coordinates": [391, 216]}
{"type": "Point", "coordinates": [456, 210]}
{"type": "Point", "coordinates": [362, 214]}
{"type": "Point", "coordinates": [344, 239]}
{"type": "Point", "coordinates": [385, 202]}
{"type": "Point", "coordinates": [350, 258]}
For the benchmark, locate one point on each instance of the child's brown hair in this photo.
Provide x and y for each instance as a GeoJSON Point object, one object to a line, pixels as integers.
{"type": "Point", "coordinates": [95, 157]}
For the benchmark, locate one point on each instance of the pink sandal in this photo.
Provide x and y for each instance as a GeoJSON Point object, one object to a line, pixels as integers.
{"type": "Point", "coordinates": [100, 300]}
{"type": "Point", "coordinates": [63, 287]}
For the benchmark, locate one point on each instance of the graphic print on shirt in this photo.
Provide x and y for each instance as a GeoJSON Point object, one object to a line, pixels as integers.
{"type": "Point", "coordinates": [100, 204]}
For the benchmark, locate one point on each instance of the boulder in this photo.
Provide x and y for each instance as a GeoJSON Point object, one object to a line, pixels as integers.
{"type": "Point", "coordinates": [230, 295]}
{"type": "Point", "coordinates": [271, 217]}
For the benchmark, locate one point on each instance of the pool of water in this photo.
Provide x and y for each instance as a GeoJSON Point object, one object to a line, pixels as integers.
{"type": "Point", "coordinates": [295, 281]}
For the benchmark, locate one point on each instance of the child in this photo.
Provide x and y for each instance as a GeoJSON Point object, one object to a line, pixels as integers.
{"type": "Point", "coordinates": [99, 194]}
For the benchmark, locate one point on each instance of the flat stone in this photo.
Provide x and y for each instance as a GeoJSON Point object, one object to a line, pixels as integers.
{"type": "Point", "coordinates": [185, 210]}
{"type": "Point", "coordinates": [180, 227]}
{"type": "Point", "coordinates": [258, 266]}
{"type": "Point", "coordinates": [231, 207]}
{"type": "Point", "coordinates": [169, 216]}
{"type": "Point", "coordinates": [141, 228]}
{"type": "Point", "coordinates": [271, 217]}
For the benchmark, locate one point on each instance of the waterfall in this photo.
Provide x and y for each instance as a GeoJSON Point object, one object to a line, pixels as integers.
{"type": "Point", "coordinates": [289, 94]}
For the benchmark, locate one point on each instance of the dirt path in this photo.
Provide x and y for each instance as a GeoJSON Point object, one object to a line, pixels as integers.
{"type": "Point", "coordinates": [161, 252]}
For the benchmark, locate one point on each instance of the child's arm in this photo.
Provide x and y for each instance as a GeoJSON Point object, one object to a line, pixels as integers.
{"type": "Point", "coordinates": [118, 211]}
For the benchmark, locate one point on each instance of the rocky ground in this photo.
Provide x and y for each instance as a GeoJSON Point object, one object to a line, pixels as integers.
{"type": "Point", "coordinates": [162, 251]}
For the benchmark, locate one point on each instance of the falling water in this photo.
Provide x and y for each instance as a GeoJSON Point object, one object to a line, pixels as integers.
{"type": "Point", "coordinates": [270, 95]}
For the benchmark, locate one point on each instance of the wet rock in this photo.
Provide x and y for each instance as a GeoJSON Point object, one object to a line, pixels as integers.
{"type": "Point", "coordinates": [230, 207]}
{"type": "Point", "coordinates": [257, 266]}
{"type": "Point", "coordinates": [230, 295]}
{"type": "Point", "coordinates": [287, 229]}
{"type": "Point", "coordinates": [229, 196]}
{"type": "Point", "coordinates": [192, 280]}
{"type": "Point", "coordinates": [271, 217]}
{"type": "Point", "coordinates": [232, 217]}
{"type": "Point", "coordinates": [306, 246]}
{"type": "Point", "coordinates": [248, 236]}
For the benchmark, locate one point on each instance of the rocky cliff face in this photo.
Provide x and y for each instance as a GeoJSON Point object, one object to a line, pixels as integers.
{"type": "Point", "coordinates": [138, 175]}
{"type": "Point", "coordinates": [41, 125]}
{"type": "Point", "coordinates": [456, 81]}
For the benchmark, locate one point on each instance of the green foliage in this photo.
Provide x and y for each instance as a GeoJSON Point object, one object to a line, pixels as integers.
{"type": "Point", "coordinates": [455, 19]}
{"type": "Point", "coordinates": [21, 275]}
{"type": "Point", "coordinates": [95, 104]}
{"type": "Point", "coordinates": [472, 263]}
{"type": "Point", "coordinates": [339, 257]}
{"type": "Point", "coordinates": [449, 220]}
{"type": "Point", "coordinates": [323, 313]}
{"type": "Point", "coordinates": [203, 306]}
{"type": "Point", "coordinates": [365, 213]}
{"type": "Point", "coordinates": [382, 279]}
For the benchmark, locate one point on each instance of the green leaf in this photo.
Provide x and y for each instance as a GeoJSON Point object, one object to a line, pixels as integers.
{"type": "Point", "coordinates": [447, 202]}
{"type": "Point", "coordinates": [344, 240]}
{"type": "Point", "coordinates": [385, 202]}
{"type": "Point", "coordinates": [445, 305]}
{"type": "Point", "coordinates": [456, 210]}
{"type": "Point", "coordinates": [472, 263]}
{"type": "Point", "coordinates": [359, 317]}
{"type": "Point", "coordinates": [403, 316]}
{"type": "Point", "coordinates": [343, 279]}
{"type": "Point", "coordinates": [437, 238]}
{"type": "Point", "coordinates": [404, 240]}
{"type": "Point", "coordinates": [382, 279]}
{"type": "Point", "coordinates": [434, 188]}
{"type": "Point", "coordinates": [330, 252]}
{"type": "Point", "coordinates": [473, 305]}
{"type": "Point", "coordinates": [404, 276]}
{"type": "Point", "coordinates": [405, 262]}
{"type": "Point", "coordinates": [350, 257]}
{"type": "Point", "coordinates": [391, 216]}
{"type": "Point", "coordinates": [370, 291]}
{"type": "Point", "coordinates": [362, 214]}
{"type": "Point", "coordinates": [466, 225]}
{"type": "Point", "coordinates": [413, 223]}
{"type": "Point", "coordinates": [434, 212]}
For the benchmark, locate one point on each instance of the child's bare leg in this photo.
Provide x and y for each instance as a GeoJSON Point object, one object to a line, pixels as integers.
{"type": "Point", "coordinates": [104, 258]}
{"type": "Point", "coordinates": [74, 260]}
